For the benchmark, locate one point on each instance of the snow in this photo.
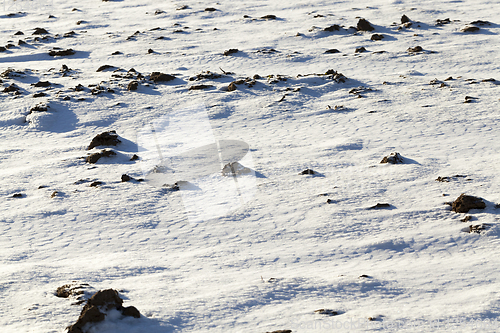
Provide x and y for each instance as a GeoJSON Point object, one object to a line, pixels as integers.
{"type": "Point", "coordinates": [261, 251]}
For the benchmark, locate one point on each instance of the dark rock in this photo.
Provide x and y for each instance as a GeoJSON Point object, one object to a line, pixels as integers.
{"type": "Point", "coordinates": [415, 49]}
{"type": "Point", "coordinates": [183, 7]}
{"type": "Point", "coordinates": [54, 194]}
{"type": "Point", "coordinates": [377, 37]}
{"type": "Point", "coordinates": [150, 51]}
{"type": "Point", "coordinates": [133, 85]}
{"type": "Point", "coordinates": [360, 50]}
{"type": "Point", "coordinates": [134, 157]}
{"type": "Point", "coordinates": [269, 17]}
{"type": "Point", "coordinates": [380, 205]}
{"type": "Point", "coordinates": [69, 34]}
{"type": "Point", "coordinates": [330, 201]}
{"type": "Point", "coordinates": [308, 172]}
{"type": "Point", "coordinates": [332, 51]}
{"type": "Point", "coordinates": [9, 46]}
{"type": "Point", "coordinates": [364, 276]}
{"type": "Point", "coordinates": [470, 29]}
{"type": "Point", "coordinates": [21, 42]}
{"type": "Point", "coordinates": [61, 53]}
{"type": "Point", "coordinates": [80, 22]}
{"type": "Point", "coordinates": [393, 158]}
{"type": "Point", "coordinates": [466, 219]}
{"type": "Point", "coordinates": [40, 31]}
{"type": "Point", "coordinates": [230, 51]}
{"type": "Point", "coordinates": [281, 331]}
{"type": "Point", "coordinates": [479, 22]}
{"type": "Point", "coordinates": [17, 195]}
{"type": "Point", "coordinates": [364, 25]}
{"type": "Point", "coordinates": [95, 184]}
{"type": "Point", "coordinates": [19, 33]}
{"type": "Point", "coordinates": [131, 311]}
{"type": "Point", "coordinates": [210, 9]}
{"type": "Point", "coordinates": [104, 67]}
{"type": "Point", "coordinates": [126, 178]}
{"type": "Point", "coordinates": [109, 138]}
{"type": "Point", "coordinates": [11, 88]}
{"type": "Point", "coordinates": [442, 22]}
{"type": "Point", "coordinates": [231, 87]}
{"type": "Point", "coordinates": [41, 107]}
{"type": "Point", "coordinates": [200, 87]}
{"type": "Point", "coordinates": [464, 203]}
{"type": "Point", "coordinates": [405, 19]}
{"type": "Point", "coordinates": [161, 77]}
{"type": "Point", "coordinates": [93, 158]}
{"type": "Point", "coordinates": [478, 228]}
{"type": "Point", "coordinates": [70, 290]}
{"type": "Point", "coordinates": [2, 49]}
{"type": "Point", "coordinates": [234, 169]}
{"type": "Point", "coordinates": [40, 94]}
{"type": "Point", "coordinates": [333, 28]}
{"type": "Point", "coordinates": [326, 312]}
{"type": "Point", "coordinates": [159, 11]}
{"type": "Point", "coordinates": [42, 84]}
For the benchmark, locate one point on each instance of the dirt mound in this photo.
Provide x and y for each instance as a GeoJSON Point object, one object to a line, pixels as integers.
{"type": "Point", "coordinates": [93, 158]}
{"type": "Point", "coordinates": [97, 306]}
{"type": "Point", "coordinates": [464, 203]}
{"type": "Point", "coordinates": [109, 138]}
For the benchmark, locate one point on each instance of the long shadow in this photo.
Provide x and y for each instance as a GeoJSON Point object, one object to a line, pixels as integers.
{"type": "Point", "coordinates": [43, 57]}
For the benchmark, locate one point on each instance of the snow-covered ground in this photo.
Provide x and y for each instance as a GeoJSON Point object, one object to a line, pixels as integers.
{"type": "Point", "coordinates": [268, 260]}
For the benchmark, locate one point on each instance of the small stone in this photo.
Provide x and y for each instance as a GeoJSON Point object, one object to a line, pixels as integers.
{"type": "Point", "coordinates": [470, 29]}
{"type": "Point", "coordinates": [40, 31]}
{"type": "Point", "coordinates": [377, 37]}
{"type": "Point", "coordinates": [54, 194]}
{"type": "Point", "coordinates": [405, 19]}
{"type": "Point", "coordinates": [61, 53]}
{"type": "Point", "coordinates": [326, 312]}
{"type": "Point", "coordinates": [17, 195]}
{"type": "Point", "coordinates": [466, 219]}
{"type": "Point", "coordinates": [104, 67]}
{"type": "Point", "coordinates": [333, 28]}
{"type": "Point", "coordinates": [133, 85]}
{"type": "Point", "coordinates": [332, 51]}
{"type": "Point", "coordinates": [134, 157]}
{"type": "Point", "coordinates": [415, 49]}
{"type": "Point", "coordinates": [269, 17]}
{"type": "Point", "coordinates": [95, 184]}
{"type": "Point", "coordinates": [161, 77]}
{"type": "Point", "coordinates": [231, 87]}
{"type": "Point", "coordinates": [360, 50]}
{"type": "Point", "coordinates": [210, 9]}
{"type": "Point", "coordinates": [93, 158]}
{"type": "Point", "coordinates": [393, 158]}
{"type": "Point", "coordinates": [42, 84]}
{"type": "Point", "coordinates": [308, 172]}
{"type": "Point", "coordinates": [126, 178]}
{"type": "Point", "coordinates": [380, 205]}
{"type": "Point", "coordinates": [150, 51]}
{"type": "Point", "coordinates": [131, 311]}
{"type": "Point", "coordinates": [19, 33]}
{"type": "Point", "coordinates": [230, 51]}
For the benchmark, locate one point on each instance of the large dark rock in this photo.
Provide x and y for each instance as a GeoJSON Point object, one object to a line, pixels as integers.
{"type": "Point", "coordinates": [109, 138]}
{"type": "Point", "coordinates": [464, 203]}
{"type": "Point", "coordinates": [364, 25]}
{"type": "Point", "coordinates": [161, 77]}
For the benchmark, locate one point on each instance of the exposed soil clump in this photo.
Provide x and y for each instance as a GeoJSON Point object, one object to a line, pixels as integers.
{"type": "Point", "coordinates": [364, 25]}
{"type": "Point", "coordinates": [109, 138]}
{"type": "Point", "coordinates": [61, 53]}
{"type": "Point", "coordinates": [93, 158]}
{"type": "Point", "coordinates": [393, 158]}
{"type": "Point", "coordinates": [464, 203]}
{"type": "Point", "coordinates": [161, 77]}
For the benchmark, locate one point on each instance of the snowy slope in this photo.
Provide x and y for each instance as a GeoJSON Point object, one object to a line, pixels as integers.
{"type": "Point", "coordinates": [282, 252]}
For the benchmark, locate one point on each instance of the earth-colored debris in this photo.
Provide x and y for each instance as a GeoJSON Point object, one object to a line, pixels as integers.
{"type": "Point", "coordinates": [61, 53]}
{"type": "Point", "coordinates": [161, 77]}
{"type": "Point", "coordinates": [415, 49]}
{"type": "Point", "coordinates": [93, 158]}
{"type": "Point", "coordinates": [109, 138]}
{"type": "Point", "coordinates": [464, 203]}
{"type": "Point", "coordinates": [364, 25]}
{"type": "Point", "coordinates": [393, 158]}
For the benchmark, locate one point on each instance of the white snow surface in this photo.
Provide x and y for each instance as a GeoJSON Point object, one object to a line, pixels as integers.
{"type": "Point", "coordinates": [283, 252]}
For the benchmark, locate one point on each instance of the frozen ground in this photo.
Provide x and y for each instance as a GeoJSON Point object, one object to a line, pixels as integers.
{"type": "Point", "coordinates": [285, 252]}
